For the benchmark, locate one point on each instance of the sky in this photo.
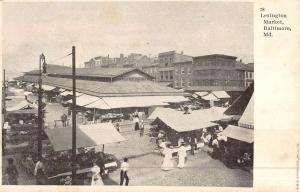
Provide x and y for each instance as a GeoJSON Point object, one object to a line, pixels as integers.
{"type": "Point", "coordinates": [102, 28]}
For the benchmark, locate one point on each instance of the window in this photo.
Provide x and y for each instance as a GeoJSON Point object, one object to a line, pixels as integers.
{"type": "Point", "coordinates": [189, 83]}
{"type": "Point", "coordinates": [161, 76]}
{"type": "Point", "coordinates": [166, 64]}
{"type": "Point", "coordinates": [250, 75]}
{"type": "Point", "coordinates": [182, 83]}
{"type": "Point", "coordinates": [176, 84]}
{"type": "Point", "coordinates": [182, 70]}
{"type": "Point", "coordinates": [189, 70]}
{"type": "Point", "coordinates": [176, 70]}
{"type": "Point", "coordinates": [171, 75]}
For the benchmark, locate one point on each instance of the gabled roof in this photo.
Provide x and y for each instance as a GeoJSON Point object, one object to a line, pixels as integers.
{"type": "Point", "coordinates": [97, 71]}
{"type": "Point", "coordinates": [105, 89]}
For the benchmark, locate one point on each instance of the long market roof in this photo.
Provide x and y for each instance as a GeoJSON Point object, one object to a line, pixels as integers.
{"type": "Point", "coordinates": [105, 89]}
{"type": "Point", "coordinates": [96, 72]}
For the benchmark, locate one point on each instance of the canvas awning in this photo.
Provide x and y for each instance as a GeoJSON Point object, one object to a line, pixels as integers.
{"type": "Point", "coordinates": [78, 94]}
{"type": "Point", "coordinates": [184, 124]}
{"type": "Point", "coordinates": [48, 87]}
{"type": "Point", "coordinates": [181, 122]}
{"type": "Point", "coordinates": [142, 101]}
{"type": "Point", "coordinates": [27, 93]}
{"type": "Point", "coordinates": [65, 93]}
{"type": "Point", "coordinates": [247, 120]}
{"type": "Point", "coordinates": [201, 93]}
{"type": "Point", "coordinates": [210, 97]}
{"type": "Point", "coordinates": [87, 136]}
{"type": "Point", "coordinates": [99, 104]}
{"type": "Point", "coordinates": [221, 94]}
{"type": "Point", "coordinates": [22, 105]}
{"type": "Point", "coordinates": [84, 99]}
{"type": "Point", "coordinates": [239, 133]}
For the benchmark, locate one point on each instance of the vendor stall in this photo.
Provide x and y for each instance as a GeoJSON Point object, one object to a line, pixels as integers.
{"type": "Point", "coordinates": [88, 137]}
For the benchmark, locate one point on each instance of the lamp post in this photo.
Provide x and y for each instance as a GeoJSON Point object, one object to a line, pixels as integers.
{"type": "Point", "coordinates": [40, 108]}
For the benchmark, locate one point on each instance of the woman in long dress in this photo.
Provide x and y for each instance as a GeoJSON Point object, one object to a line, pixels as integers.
{"type": "Point", "coordinates": [167, 162]}
{"type": "Point", "coordinates": [181, 156]}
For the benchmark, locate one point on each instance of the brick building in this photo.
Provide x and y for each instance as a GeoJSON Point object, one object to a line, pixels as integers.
{"type": "Point", "coordinates": [165, 64]}
{"type": "Point", "coordinates": [212, 73]}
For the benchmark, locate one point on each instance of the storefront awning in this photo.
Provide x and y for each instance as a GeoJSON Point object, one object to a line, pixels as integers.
{"type": "Point", "coordinates": [239, 133]}
{"type": "Point", "coordinates": [221, 94]}
{"type": "Point", "coordinates": [99, 104]}
{"type": "Point", "coordinates": [87, 136]}
{"type": "Point", "coordinates": [48, 87]}
{"type": "Point", "coordinates": [210, 97]}
{"type": "Point", "coordinates": [84, 100]}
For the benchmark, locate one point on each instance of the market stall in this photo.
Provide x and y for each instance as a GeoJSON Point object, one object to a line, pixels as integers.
{"type": "Point", "coordinates": [89, 138]}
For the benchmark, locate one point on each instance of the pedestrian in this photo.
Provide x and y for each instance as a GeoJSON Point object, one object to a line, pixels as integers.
{"type": "Point", "coordinates": [12, 172]}
{"type": "Point", "coordinates": [142, 128]}
{"type": "Point", "coordinates": [118, 127]}
{"type": "Point", "coordinates": [64, 119]}
{"type": "Point", "coordinates": [167, 162]}
{"type": "Point", "coordinates": [124, 172]}
{"type": "Point", "coordinates": [39, 172]}
{"type": "Point", "coordinates": [136, 123]}
{"type": "Point", "coordinates": [181, 156]}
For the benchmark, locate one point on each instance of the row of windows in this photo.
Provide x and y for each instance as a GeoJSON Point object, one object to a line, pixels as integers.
{"type": "Point", "coordinates": [166, 75]}
{"type": "Point", "coordinates": [249, 75]}
{"type": "Point", "coordinates": [218, 83]}
{"type": "Point", "coordinates": [218, 73]}
{"type": "Point", "coordinates": [182, 83]}
{"type": "Point", "coordinates": [214, 63]}
{"type": "Point", "coordinates": [183, 70]}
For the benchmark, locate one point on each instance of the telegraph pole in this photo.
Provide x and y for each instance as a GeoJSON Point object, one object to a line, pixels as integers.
{"type": "Point", "coordinates": [40, 118]}
{"type": "Point", "coordinates": [73, 115]}
{"type": "Point", "coordinates": [3, 100]}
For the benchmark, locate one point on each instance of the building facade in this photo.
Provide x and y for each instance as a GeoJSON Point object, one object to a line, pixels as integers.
{"type": "Point", "coordinates": [151, 70]}
{"type": "Point", "coordinates": [165, 64]}
{"type": "Point", "coordinates": [212, 73]}
{"type": "Point", "coordinates": [183, 75]}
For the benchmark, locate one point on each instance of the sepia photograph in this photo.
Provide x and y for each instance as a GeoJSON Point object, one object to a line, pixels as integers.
{"type": "Point", "coordinates": [128, 93]}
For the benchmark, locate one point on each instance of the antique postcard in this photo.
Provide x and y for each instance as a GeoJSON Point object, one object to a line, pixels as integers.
{"type": "Point", "coordinates": [150, 95]}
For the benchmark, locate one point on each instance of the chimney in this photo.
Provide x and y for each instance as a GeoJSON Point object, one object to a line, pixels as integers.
{"type": "Point", "coordinates": [241, 60]}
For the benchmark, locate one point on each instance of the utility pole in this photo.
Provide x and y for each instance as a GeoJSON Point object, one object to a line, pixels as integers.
{"type": "Point", "coordinates": [3, 101]}
{"type": "Point", "coordinates": [73, 116]}
{"type": "Point", "coordinates": [3, 114]}
{"type": "Point", "coordinates": [40, 116]}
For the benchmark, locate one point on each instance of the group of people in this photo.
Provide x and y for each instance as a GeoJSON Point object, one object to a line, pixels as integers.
{"type": "Point", "coordinates": [168, 162]}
